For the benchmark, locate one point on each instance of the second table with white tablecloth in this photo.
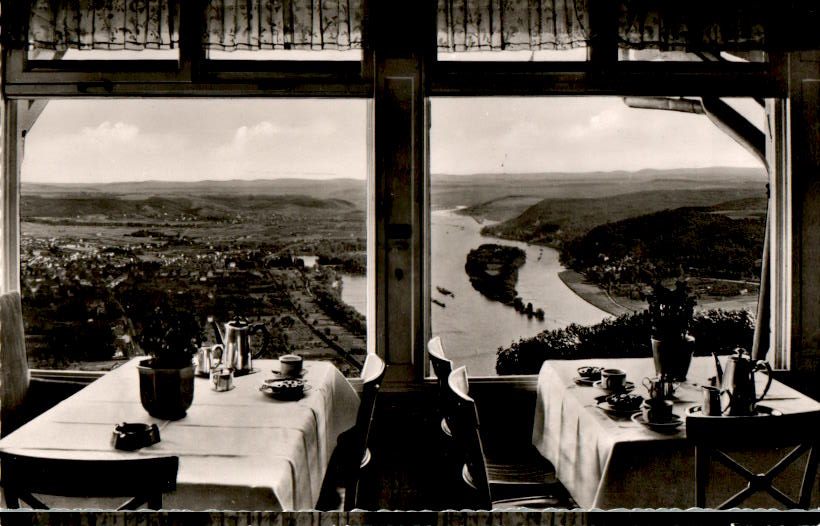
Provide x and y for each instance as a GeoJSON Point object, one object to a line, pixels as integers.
{"type": "Point", "coordinates": [613, 462]}
{"type": "Point", "coordinates": [237, 449]}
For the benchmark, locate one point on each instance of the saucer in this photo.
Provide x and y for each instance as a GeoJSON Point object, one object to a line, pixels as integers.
{"type": "Point", "coordinates": [586, 382]}
{"type": "Point", "coordinates": [661, 427]}
{"type": "Point", "coordinates": [628, 386]}
{"type": "Point", "coordinates": [281, 376]}
{"type": "Point", "coordinates": [279, 389]}
{"type": "Point", "coordinates": [607, 408]}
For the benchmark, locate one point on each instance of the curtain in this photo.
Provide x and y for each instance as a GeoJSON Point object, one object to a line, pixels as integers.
{"type": "Point", "coordinates": [103, 24]}
{"type": "Point", "coordinates": [467, 25]}
{"type": "Point", "coordinates": [228, 24]}
{"type": "Point", "coordinates": [283, 24]}
{"type": "Point", "coordinates": [696, 24]}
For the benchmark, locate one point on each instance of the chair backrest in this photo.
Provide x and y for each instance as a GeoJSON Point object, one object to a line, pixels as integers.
{"type": "Point", "coordinates": [465, 429]}
{"type": "Point", "coordinates": [372, 375]}
{"type": "Point", "coordinates": [14, 373]}
{"type": "Point", "coordinates": [442, 366]}
{"type": "Point", "coordinates": [142, 479]}
{"type": "Point", "coordinates": [797, 431]}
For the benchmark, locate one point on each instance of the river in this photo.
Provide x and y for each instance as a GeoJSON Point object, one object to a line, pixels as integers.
{"type": "Point", "coordinates": [471, 326]}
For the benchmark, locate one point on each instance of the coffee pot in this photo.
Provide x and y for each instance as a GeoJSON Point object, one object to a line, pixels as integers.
{"type": "Point", "coordinates": [236, 341]}
{"type": "Point", "coordinates": [738, 380]}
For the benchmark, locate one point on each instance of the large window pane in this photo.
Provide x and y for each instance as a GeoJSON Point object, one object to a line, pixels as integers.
{"type": "Point", "coordinates": [245, 208]}
{"type": "Point", "coordinates": [552, 216]}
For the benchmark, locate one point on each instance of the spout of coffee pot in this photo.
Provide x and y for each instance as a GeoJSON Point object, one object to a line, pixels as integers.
{"type": "Point", "coordinates": [718, 368]}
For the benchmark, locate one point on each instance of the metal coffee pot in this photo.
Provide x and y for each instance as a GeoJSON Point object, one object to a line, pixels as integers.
{"type": "Point", "coordinates": [738, 379]}
{"type": "Point", "coordinates": [236, 341]}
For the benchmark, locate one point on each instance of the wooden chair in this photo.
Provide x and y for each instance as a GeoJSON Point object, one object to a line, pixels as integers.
{"type": "Point", "coordinates": [142, 479]}
{"type": "Point", "coordinates": [14, 373]}
{"type": "Point", "coordinates": [442, 367]}
{"type": "Point", "coordinates": [525, 467]}
{"type": "Point", "coordinates": [796, 432]}
{"type": "Point", "coordinates": [359, 456]}
{"type": "Point", "coordinates": [481, 491]}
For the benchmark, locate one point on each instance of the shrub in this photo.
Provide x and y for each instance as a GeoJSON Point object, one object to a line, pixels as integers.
{"type": "Point", "coordinates": [626, 336]}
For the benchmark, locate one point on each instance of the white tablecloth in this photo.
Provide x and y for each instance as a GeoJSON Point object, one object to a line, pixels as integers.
{"type": "Point", "coordinates": [238, 449]}
{"type": "Point", "coordinates": [607, 462]}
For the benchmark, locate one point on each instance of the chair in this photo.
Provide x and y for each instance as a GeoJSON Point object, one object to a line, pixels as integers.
{"type": "Point", "coordinates": [796, 432]}
{"type": "Point", "coordinates": [358, 454]}
{"type": "Point", "coordinates": [143, 479]}
{"type": "Point", "coordinates": [442, 367]}
{"type": "Point", "coordinates": [14, 373]}
{"type": "Point", "coordinates": [481, 491]}
{"type": "Point", "coordinates": [528, 467]}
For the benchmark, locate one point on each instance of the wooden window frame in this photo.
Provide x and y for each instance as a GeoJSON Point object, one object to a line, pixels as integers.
{"type": "Point", "coordinates": [395, 78]}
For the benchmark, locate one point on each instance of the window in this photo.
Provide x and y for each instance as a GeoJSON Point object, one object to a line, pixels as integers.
{"type": "Point", "coordinates": [252, 208]}
{"type": "Point", "coordinates": [549, 213]}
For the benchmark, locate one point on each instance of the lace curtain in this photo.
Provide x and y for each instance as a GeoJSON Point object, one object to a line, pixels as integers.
{"type": "Point", "coordinates": [228, 24]}
{"type": "Point", "coordinates": [480, 25]}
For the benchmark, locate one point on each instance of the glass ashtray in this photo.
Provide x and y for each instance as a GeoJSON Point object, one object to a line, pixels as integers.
{"type": "Point", "coordinates": [130, 437]}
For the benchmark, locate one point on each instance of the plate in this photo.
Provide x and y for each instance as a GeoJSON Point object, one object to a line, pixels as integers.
{"type": "Point", "coordinates": [628, 386]}
{"type": "Point", "coordinates": [608, 409]}
{"type": "Point", "coordinates": [661, 427]}
{"type": "Point", "coordinates": [762, 410]}
{"type": "Point", "coordinates": [586, 382]}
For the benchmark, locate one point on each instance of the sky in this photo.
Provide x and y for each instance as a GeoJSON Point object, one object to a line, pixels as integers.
{"type": "Point", "coordinates": [188, 140]}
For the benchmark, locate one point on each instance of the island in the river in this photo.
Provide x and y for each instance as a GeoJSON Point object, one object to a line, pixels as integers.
{"type": "Point", "coordinates": [493, 271]}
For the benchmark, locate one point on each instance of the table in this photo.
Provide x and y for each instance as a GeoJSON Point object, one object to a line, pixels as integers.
{"type": "Point", "coordinates": [607, 462]}
{"type": "Point", "coordinates": [238, 449]}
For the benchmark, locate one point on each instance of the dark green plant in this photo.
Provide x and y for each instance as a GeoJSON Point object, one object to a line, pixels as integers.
{"type": "Point", "coordinates": [670, 311]}
{"type": "Point", "coordinates": [166, 330]}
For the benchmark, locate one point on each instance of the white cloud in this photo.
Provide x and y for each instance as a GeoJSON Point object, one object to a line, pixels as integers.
{"type": "Point", "coordinates": [107, 132]}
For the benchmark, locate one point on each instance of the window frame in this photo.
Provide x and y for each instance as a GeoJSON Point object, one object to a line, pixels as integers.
{"type": "Point", "coordinates": [383, 73]}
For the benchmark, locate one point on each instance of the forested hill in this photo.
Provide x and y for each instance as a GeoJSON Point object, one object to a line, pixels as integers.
{"type": "Point", "coordinates": [722, 241]}
{"type": "Point", "coordinates": [555, 221]}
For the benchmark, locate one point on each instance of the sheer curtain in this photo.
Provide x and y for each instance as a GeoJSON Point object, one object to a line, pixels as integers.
{"type": "Point", "coordinates": [227, 24]}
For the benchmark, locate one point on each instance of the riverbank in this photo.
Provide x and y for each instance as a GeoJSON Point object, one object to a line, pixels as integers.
{"type": "Point", "coordinates": [616, 306]}
{"type": "Point", "coordinates": [596, 296]}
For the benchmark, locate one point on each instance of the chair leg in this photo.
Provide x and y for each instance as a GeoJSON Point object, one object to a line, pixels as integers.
{"type": "Point", "coordinates": [809, 475]}
{"type": "Point", "coordinates": [701, 475]}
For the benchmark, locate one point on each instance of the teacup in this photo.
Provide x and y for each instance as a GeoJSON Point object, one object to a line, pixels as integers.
{"type": "Point", "coordinates": [657, 410]}
{"type": "Point", "coordinates": [290, 365]}
{"type": "Point", "coordinates": [613, 379]}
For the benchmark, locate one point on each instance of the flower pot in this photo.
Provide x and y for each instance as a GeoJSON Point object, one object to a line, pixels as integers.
{"type": "Point", "coordinates": [166, 393]}
{"type": "Point", "coordinates": [672, 357]}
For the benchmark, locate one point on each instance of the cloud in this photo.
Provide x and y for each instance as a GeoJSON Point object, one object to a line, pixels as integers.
{"type": "Point", "coordinates": [118, 132]}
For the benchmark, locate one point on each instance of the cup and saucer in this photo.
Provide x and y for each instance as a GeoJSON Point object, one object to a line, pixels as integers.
{"type": "Point", "coordinates": [656, 414]}
{"type": "Point", "coordinates": [290, 366]}
{"type": "Point", "coordinates": [614, 381]}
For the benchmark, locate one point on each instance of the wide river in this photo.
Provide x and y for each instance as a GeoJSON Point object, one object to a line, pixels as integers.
{"type": "Point", "coordinates": [471, 326]}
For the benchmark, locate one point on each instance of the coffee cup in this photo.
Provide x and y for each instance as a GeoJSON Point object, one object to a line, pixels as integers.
{"type": "Point", "coordinates": [613, 379]}
{"type": "Point", "coordinates": [657, 410]}
{"type": "Point", "coordinates": [290, 365]}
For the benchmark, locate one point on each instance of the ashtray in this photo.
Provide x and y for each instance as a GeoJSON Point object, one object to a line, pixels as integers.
{"type": "Point", "coordinates": [292, 389]}
{"type": "Point", "coordinates": [129, 437]}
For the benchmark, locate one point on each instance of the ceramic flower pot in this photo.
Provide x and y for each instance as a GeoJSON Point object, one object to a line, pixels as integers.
{"type": "Point", "coordinates": [166, 393]}
{"type": "Point", "coordinates": [672, 357]}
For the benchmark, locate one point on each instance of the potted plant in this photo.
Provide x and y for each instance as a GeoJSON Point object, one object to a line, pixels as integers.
{"type": "Point", "coordinates": [670, 315]}
{"type": "Point", "coordinates": [170, 335]}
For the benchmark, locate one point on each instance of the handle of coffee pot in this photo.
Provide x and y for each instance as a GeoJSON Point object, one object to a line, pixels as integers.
{"type": "Point", "coordinates": [759, 366]}
{"type": "Point", "coordinates": [265, 334]}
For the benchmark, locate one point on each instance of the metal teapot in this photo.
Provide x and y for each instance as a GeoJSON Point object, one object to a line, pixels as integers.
{"type": "Point", "coordinates": [236, 341]}
{"type": "Point", "coordinates": [739, 382]}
